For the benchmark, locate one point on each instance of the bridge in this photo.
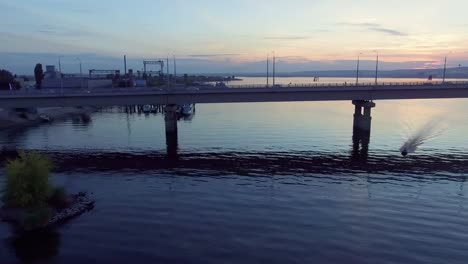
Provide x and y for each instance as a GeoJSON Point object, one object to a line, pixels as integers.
{"type": "Point", "coordinates": [362, 96]}
{"type": "Point", "coordinates": [240, 94]}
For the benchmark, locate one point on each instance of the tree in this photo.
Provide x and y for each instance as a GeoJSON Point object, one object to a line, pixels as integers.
{"type": "Point", "coordinates": [39, 75]}
{"type": "Point", "coordinates": [7, 79]}
{"type": "Point", "coordinates": [27, 180]}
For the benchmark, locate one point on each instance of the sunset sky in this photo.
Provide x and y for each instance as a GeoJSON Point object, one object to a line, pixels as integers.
{"type": "Point", "coordinates": [224, 36]}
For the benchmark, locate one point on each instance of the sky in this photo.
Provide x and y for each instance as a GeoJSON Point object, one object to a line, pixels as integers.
{"type": "Point", "coordinates": [214, 36]}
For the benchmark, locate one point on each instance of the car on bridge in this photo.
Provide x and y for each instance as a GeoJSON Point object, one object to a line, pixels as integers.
{"type": "Point", "coordinates": [192, 89]}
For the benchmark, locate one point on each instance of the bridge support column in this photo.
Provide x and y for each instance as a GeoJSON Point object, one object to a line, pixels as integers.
{"type": "Point", "coordinates": [362, 119]}
{"type": "Point", "coordinates": [362, 127]}
{"type": "Point", "coordinates": [170, 118]}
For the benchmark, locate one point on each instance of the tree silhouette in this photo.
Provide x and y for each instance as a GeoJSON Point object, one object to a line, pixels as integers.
{"type": "Point", "coordinates": [39, 75]}
{"type": "Point", "coordinates": [7, 79]}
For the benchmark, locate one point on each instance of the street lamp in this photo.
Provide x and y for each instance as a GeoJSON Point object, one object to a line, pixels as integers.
{"type": "Point", "coordinates": [60, 70]}
{"type": "Point", "coordinates": [376, 66]}
{"type": "Point", "coordinates": [81, 74]}
{"type": "Point", "coordinates": [167, 69]}
{"type": "Point", "coordinates": [59, 63]}
{"type": "Point", "coordinates": [268, 65]}
{"type": "Point", "coordinates": [175, 70]}
{"type": "Point", "coordinates": [357, 71]}
{"type": "Point", "coordinates": [274, 61]}
{"type": "Point", "coordinates": [445, 67]}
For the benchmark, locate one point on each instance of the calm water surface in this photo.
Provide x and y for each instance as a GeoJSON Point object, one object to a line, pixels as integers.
{"type": "Point", "coordinates": [329, 80]}
{"type": "Point", "coordinates": [256, 183]}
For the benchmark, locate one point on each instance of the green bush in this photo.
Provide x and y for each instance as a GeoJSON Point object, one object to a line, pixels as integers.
{"type": "Point", "coordinates": [27, 180]}
{"type": "Point", "coordinates": [58, 198]}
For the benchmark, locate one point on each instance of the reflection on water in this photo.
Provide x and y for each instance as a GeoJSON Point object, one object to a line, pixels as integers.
{"type": "Point", "coordinates": [432, 167]}
{"type": "Point", "coordinates": [261, 213]}
{"type": "Point", "coordinates": [361, 141]}
{"type": "Point", "coordinates": [254, 183]}
{"type": "Point", "coordinates": [36, 246]}
{"type": "Point", "coordinates": [83, 120]}
{"type": "Point", "coordinates": [172, 146]}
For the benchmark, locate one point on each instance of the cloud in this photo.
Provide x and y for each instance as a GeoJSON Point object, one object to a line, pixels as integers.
{"type": "Point", "coordinates": [23, 63]}
{"type": "Point", "coordinates": [388, 31]}
{"type": "Point", "coordinates": [358, 24]}
{"type": "Point", "coordinates": [212, 55]}
{"type": "Point", "coordinates": [426, 46]}
{"type": "Point", "coordinates": [62, 31]}
{"type": "Point", "coordinates": [293, 59]}
{"type": "Point", "coordinates": [287, 37]}
{"type": "Point", "coordinates": [375, 27]}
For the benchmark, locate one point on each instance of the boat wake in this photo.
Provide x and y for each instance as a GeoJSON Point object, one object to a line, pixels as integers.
{"type": "Point", "coordinates": [429, 131]}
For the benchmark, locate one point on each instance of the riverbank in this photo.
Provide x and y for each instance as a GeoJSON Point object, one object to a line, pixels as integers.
{"type": "Point", "coordinates": [12, 119]}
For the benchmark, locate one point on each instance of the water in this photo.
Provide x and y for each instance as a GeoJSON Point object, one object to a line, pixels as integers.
{"type": "Point", "coordinates": [255, 183]}
{"type": "Point", "coordinates": [330, 80]}
{"type": "Point", "coordinates": [431, 130]}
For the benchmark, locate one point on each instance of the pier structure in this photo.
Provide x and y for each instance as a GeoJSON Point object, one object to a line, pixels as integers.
{"type": "Point", "coordinates": [362, 121]}
{"type": "Point", "coordinates": [170, 120]}
{"type": "Point", "coordinates": [362, 115]}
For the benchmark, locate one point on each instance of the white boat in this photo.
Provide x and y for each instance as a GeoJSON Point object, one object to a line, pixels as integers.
{"type": "Point", "coordinates": [146, 109]}
{"type": "Point", "coordinates": [221, 85]}
{"type": "Point", "coordinates": [186, 109]}
{"type": "Point", "coordinates": [45, 118]}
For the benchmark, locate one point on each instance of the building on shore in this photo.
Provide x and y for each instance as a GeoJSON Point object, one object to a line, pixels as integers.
{"type": "Point", "coordinates": [54, 79]}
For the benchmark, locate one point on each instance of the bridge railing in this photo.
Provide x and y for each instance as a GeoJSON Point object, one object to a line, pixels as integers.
{"type": "Point", "coordinates": [59, 91]}
{"type": "Point", "coordinates": [365, 84]}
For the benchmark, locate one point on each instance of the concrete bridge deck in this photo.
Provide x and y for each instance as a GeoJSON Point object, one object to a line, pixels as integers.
{"type": "Point", "coordinates": [181, 95]}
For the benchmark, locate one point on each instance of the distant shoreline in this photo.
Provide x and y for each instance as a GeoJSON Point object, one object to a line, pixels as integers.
{"type": "Point", "coordinates": [451, 73]}
{"type": "Point", "coordinates": [367, 77]}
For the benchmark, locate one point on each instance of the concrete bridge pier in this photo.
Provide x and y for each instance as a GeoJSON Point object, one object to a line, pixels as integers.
{"type": "Point", "coordinates": [362, 115]}
{"type": "Point", "coordinates": [170, 118]}
{"type": "Point", "coordinates": [362, 127]}
{"type": "Point", "coordinates": [360, 145]}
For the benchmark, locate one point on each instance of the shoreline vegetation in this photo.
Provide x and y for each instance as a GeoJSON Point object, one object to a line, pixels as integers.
{"type": "Point", "coordinates": [31, 202]}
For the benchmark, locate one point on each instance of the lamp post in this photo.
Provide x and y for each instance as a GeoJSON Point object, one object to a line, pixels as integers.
{"type": "Point", "coordinates": [274, 62]}
{"type": "Point", "coordinates": [60, 70]}
{"type": "Point", "coordinates": [81, 74]}
{"type": "Point", "coordinates": [376, 66]}
{"type": "Point", "coordinates": [175, 70]}
{"type": "Point", "coordinates": [357, 70]}
{"type": "Point", "coordinates": [445, 69]}
{"type": "Point", "coordinates": [167, 69]}
{"type": "Point", "coordinates": [268, 66]}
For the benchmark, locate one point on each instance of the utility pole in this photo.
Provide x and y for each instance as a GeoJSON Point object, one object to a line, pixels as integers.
{"type": "Point", "coordinates": [274, 61]}
{"type": "Point", "coordinates": [376, 67]}
{"type": "Point", "coordinates": [357, 71]}
{"type": "Point", "coordinates": [167, 60]}
{"type": "Point", "coordinates": [81, 74]}
{"type": "Point", "coordinates": [268, 65]}
{"type": "Point", "coordinates": [60, 70]}
{"type": "Point", "coordinates": [125, 64]}
{"type": "Point", "coordinates": [445, 69]}
{"type": "Point", "coordinates": [175, 70]}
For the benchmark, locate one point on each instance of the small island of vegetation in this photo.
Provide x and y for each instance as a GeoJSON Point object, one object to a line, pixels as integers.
{"type": "Point", "coordinates": [30, 201]}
